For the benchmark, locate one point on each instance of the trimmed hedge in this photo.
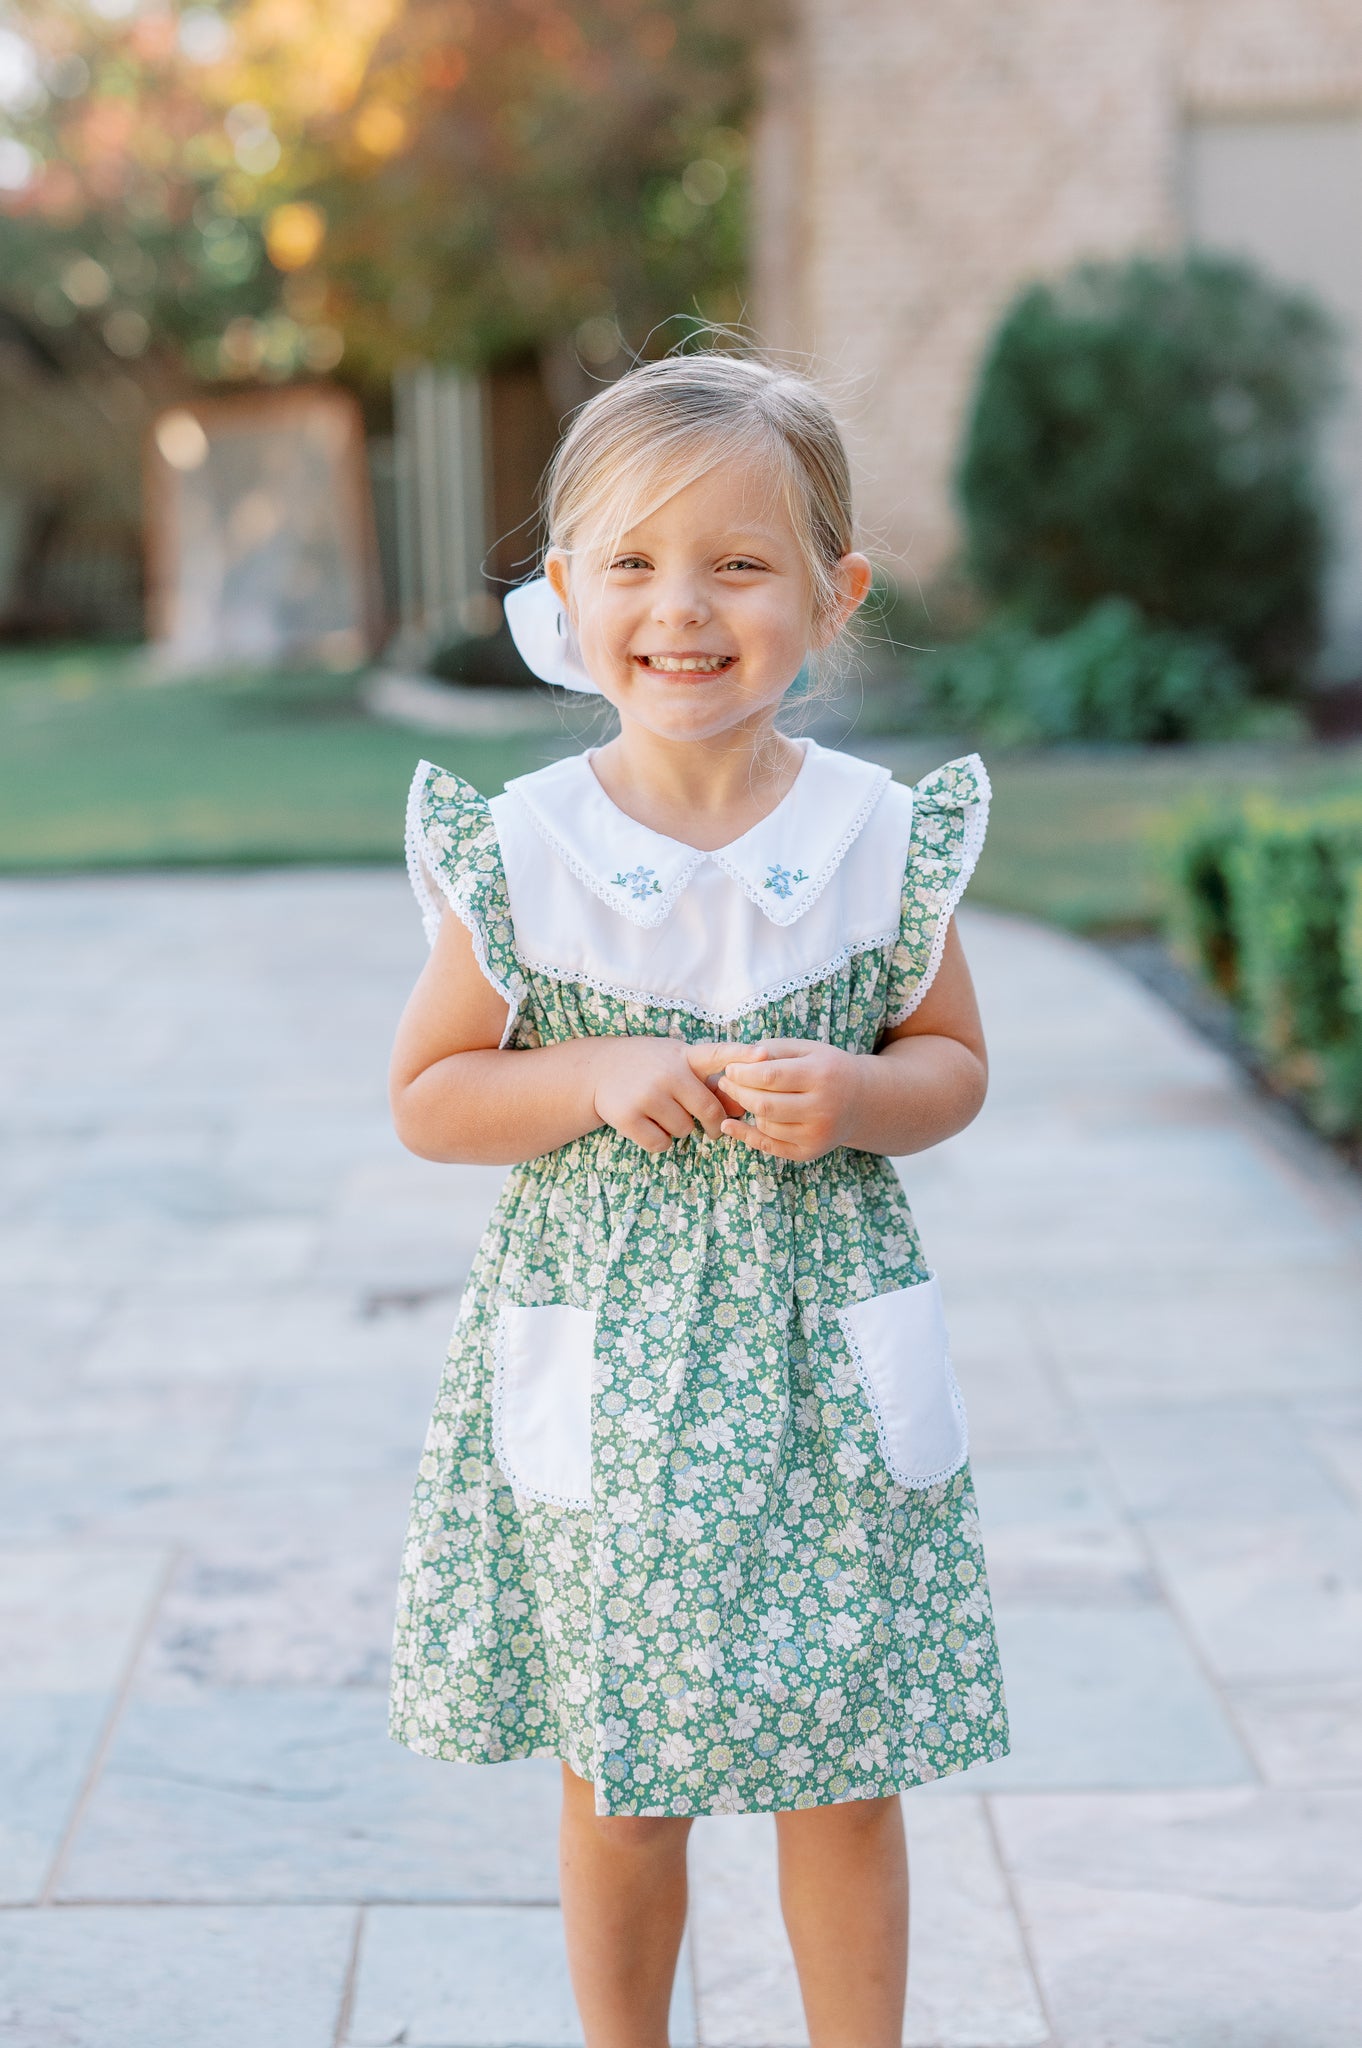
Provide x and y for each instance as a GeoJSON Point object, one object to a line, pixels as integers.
{"type": "Point", "coordinates": [1270, 906]}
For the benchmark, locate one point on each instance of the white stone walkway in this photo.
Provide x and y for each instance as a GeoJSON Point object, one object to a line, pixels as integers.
{"type": "Point", "coordinates": [224, 1293]}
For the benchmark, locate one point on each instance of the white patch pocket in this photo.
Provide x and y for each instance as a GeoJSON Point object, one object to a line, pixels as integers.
{"type": "Point", "coordinates": [902, 1354]}
{"type": "Point", "coordinates": [541, 1401]}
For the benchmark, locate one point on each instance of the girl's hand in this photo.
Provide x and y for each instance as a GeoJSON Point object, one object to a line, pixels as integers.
{"type": "Point", "coordinates": [654, 1089]}
{"type": "Point", "coordinates": [800, 1091]}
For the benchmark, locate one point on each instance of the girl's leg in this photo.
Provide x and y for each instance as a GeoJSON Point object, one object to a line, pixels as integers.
{"type": "Point", "coordinates": [624, 1910]}
{"type": "Point", "coordinates": [844, 1894]}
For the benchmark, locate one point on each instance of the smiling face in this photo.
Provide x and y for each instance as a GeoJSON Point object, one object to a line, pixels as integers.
{"type": "Point", "coordinates": [700, 618]}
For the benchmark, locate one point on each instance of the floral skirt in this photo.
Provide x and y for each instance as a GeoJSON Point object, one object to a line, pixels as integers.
{"type": "Point", "coordinates": [694, 1511]}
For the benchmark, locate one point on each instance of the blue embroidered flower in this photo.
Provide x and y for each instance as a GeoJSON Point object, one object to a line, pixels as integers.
{"type": "Point", "coordinates": [639, 882]}
{"type": "Point", "coordinates": [781, 880]}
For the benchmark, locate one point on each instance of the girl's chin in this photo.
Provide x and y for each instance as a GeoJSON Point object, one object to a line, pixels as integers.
{"type": "Point", "coordinates": [695, 720]}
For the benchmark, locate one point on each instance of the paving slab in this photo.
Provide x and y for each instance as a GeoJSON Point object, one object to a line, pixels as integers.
{"type": "Point", "coordinates": [363, 1424]}
{"type": "Point", "coordinates": [746, 1992]}
{"type": "Point", "coordinates": [163, 1332]}
{"type": "Point", "coordinates": [1333, 1428]}
{"type": "Point", "coordinates": [1271, 1598]}
{"type": "Point", "coordinates": [1017, 1408]}
{"type": "Point", "coordinates": [47, 1746]}
{"type": "Point", "coordinates": [143, 1977]}
{"type": "Point", "coordinates": [1056, 1536]}
{"type": "Point", "coordinates": [1125, 1969]}
{"type": "Point", "coordinates": [47, 1330]}
{"type": "Point", "coordinates": [1106, 1696]}
{"type": "Point", "coordinates": [1306, 1732]}
{"type": "Point", "coordinates": [76, 1464]}
{"type": "Point", "coordinates": [68, 1614]}
{"type": "Point", "coordinates": [1205, 1329]}
{"type": "Point", "coordinates": [238, 1252]}
{"type": "Point", "coordinates": [1299, 1847]}
{"type": "Point", "coordinates": [297, 1795]}
{"type": "Point", "coordinates": [261, 1606]}
{"type": "Point", "coordinates": [1228, 1920]}
{"type": "Point", "coordinates": [1236, 1460]}
{"type": "Point", "coordinates": [476, 1977]}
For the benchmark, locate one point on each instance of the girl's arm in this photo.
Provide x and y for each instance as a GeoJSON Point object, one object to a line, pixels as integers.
{"type": "Point", "coordinates": [456, 1096]}
{"type": "Point", "coordinates": [926, 1081]}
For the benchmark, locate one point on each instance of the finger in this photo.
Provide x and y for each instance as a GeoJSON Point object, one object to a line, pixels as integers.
{"type": "Point", "coordinates": [707, 1056]}
{"type": "Point", "coordinates": [778, 1076]}
{"type": "Point", "coordinates": [730, 1106]}
{"type": "Point", "coordinates": [758, 1140]}
{"type": "Point", "coordinates": [704, 1105]}
{"type": "Point", "coordinates": [673, 1116]}
{"type": "Point", "coordinates": [776, 1048]}
{"type": "Point", "coordinates": [770, 1109]}
{"type": "Point", "coordinates": [647, 1134]}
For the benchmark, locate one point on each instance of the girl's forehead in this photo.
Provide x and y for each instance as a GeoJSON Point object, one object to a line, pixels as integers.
{"type": "Point", "coordinates": [733, 493]}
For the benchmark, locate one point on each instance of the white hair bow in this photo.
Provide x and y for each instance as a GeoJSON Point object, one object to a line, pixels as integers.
{"type": "Point", "coordinates": [544, 637]}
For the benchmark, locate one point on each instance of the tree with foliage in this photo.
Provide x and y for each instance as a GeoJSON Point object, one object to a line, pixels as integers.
{"type": "Point", "coordinates": [1148, 430]}
{"type": "Point", "coordinates": [285, 184]}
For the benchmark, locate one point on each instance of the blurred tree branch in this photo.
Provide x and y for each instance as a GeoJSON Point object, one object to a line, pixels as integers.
{"type": "Point", "coordinates": [283, 185]}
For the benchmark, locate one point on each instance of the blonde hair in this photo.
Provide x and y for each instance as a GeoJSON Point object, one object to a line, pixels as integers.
{"type": "Point", "coordinates": [664, 424]}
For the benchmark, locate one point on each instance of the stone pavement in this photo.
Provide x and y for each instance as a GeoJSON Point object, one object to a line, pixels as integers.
{"type": "Point", "coordinates": [225, 1293]}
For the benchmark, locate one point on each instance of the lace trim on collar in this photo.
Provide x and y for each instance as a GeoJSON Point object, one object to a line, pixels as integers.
{"type": "Point", "coordinates": [649, 999]}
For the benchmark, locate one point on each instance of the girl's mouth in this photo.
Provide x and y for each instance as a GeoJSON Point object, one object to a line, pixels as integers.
{"type": "Point", "coordinates": [686, 664]}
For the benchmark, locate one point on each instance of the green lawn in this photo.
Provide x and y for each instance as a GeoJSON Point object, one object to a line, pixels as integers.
{"type": "Point", "coordinates": [1081, 836]}
{"type": "Point", "coordinates": [100, 768]}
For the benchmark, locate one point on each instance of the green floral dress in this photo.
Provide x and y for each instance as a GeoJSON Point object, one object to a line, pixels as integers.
{"type": "Point", "coordinates": [694, 1511]}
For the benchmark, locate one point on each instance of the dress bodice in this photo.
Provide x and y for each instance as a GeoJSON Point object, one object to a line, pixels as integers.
{"type": "Point", "coordinates": [825, 920]}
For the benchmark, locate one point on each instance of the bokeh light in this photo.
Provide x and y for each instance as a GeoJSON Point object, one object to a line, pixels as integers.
{"type": "Point", "coordinates": [380, 128]}
{"type": "Point", "coordinates": [294, 233]}
{"type": "Point", "coordinates": [85, 282]}
{"type": "Point", "coordinates": [181, 440]}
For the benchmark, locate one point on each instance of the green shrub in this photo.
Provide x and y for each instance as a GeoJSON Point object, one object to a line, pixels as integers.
{"type": "Point", "coordinates": [1148, 429]}
{"type": "Point", "coordinates": [1110, 677]}
{"type": "Point", "coordinates": [1269, 905]}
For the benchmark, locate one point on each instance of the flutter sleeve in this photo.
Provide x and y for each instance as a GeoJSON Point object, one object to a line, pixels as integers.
{"type": "Point", "coordinates": [950, 814]}
{"type": "Point", "coordinates": [454, 859]}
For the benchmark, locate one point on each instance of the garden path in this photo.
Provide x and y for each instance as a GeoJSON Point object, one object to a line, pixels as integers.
{"type": "Point", "coordinates": [225, 1293]}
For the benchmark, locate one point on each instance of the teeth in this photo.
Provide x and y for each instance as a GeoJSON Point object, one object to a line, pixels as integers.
{"type": "Point", "coordinates": [690, 664]}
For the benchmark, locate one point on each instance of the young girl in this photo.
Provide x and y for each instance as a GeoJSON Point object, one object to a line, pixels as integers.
{"type": "Point", "coordinates": [694, 1514]}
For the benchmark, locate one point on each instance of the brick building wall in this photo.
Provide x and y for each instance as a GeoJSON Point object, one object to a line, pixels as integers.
{"type": "Point", "coordinates": [915, 163]}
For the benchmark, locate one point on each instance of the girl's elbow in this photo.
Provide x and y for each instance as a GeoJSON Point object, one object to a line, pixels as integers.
{"type": "Point", "coordinates": [412, 1124]}
{"type": "Point", "coordinates": [975, 1090]}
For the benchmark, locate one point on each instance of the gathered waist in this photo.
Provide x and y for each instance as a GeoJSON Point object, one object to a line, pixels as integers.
{"type": "Point", "coordinates": [698, 1159]}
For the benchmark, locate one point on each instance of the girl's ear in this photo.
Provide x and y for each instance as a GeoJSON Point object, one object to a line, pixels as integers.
{"type": "Point", "coordinates": [853, 577]}
{"type": "Point", "coordinates": [556, 569]}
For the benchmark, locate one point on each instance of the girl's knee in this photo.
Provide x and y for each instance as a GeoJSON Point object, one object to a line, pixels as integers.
{"type": "Point", "coordinates": [640, 1834]}
{"type": "Point", "coordinates": [850, 1817]}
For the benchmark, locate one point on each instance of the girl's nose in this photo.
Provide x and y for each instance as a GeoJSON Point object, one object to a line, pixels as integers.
{"type": "Point", "coordinates": [677, 604]}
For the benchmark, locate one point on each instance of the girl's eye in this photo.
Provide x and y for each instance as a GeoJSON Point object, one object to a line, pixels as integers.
{"type": "Point", "coordinates": [740, 562]}
{"type": "Point", "coordinates": [629, 562]}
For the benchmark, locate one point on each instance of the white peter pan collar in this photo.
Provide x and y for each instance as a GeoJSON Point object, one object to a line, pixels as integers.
{"type": "Point", "coordinates": [782, 864]}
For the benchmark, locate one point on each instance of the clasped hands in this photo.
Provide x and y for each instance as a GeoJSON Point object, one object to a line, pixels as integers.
{"type": "Point", "coordinates": [799, 1092]}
